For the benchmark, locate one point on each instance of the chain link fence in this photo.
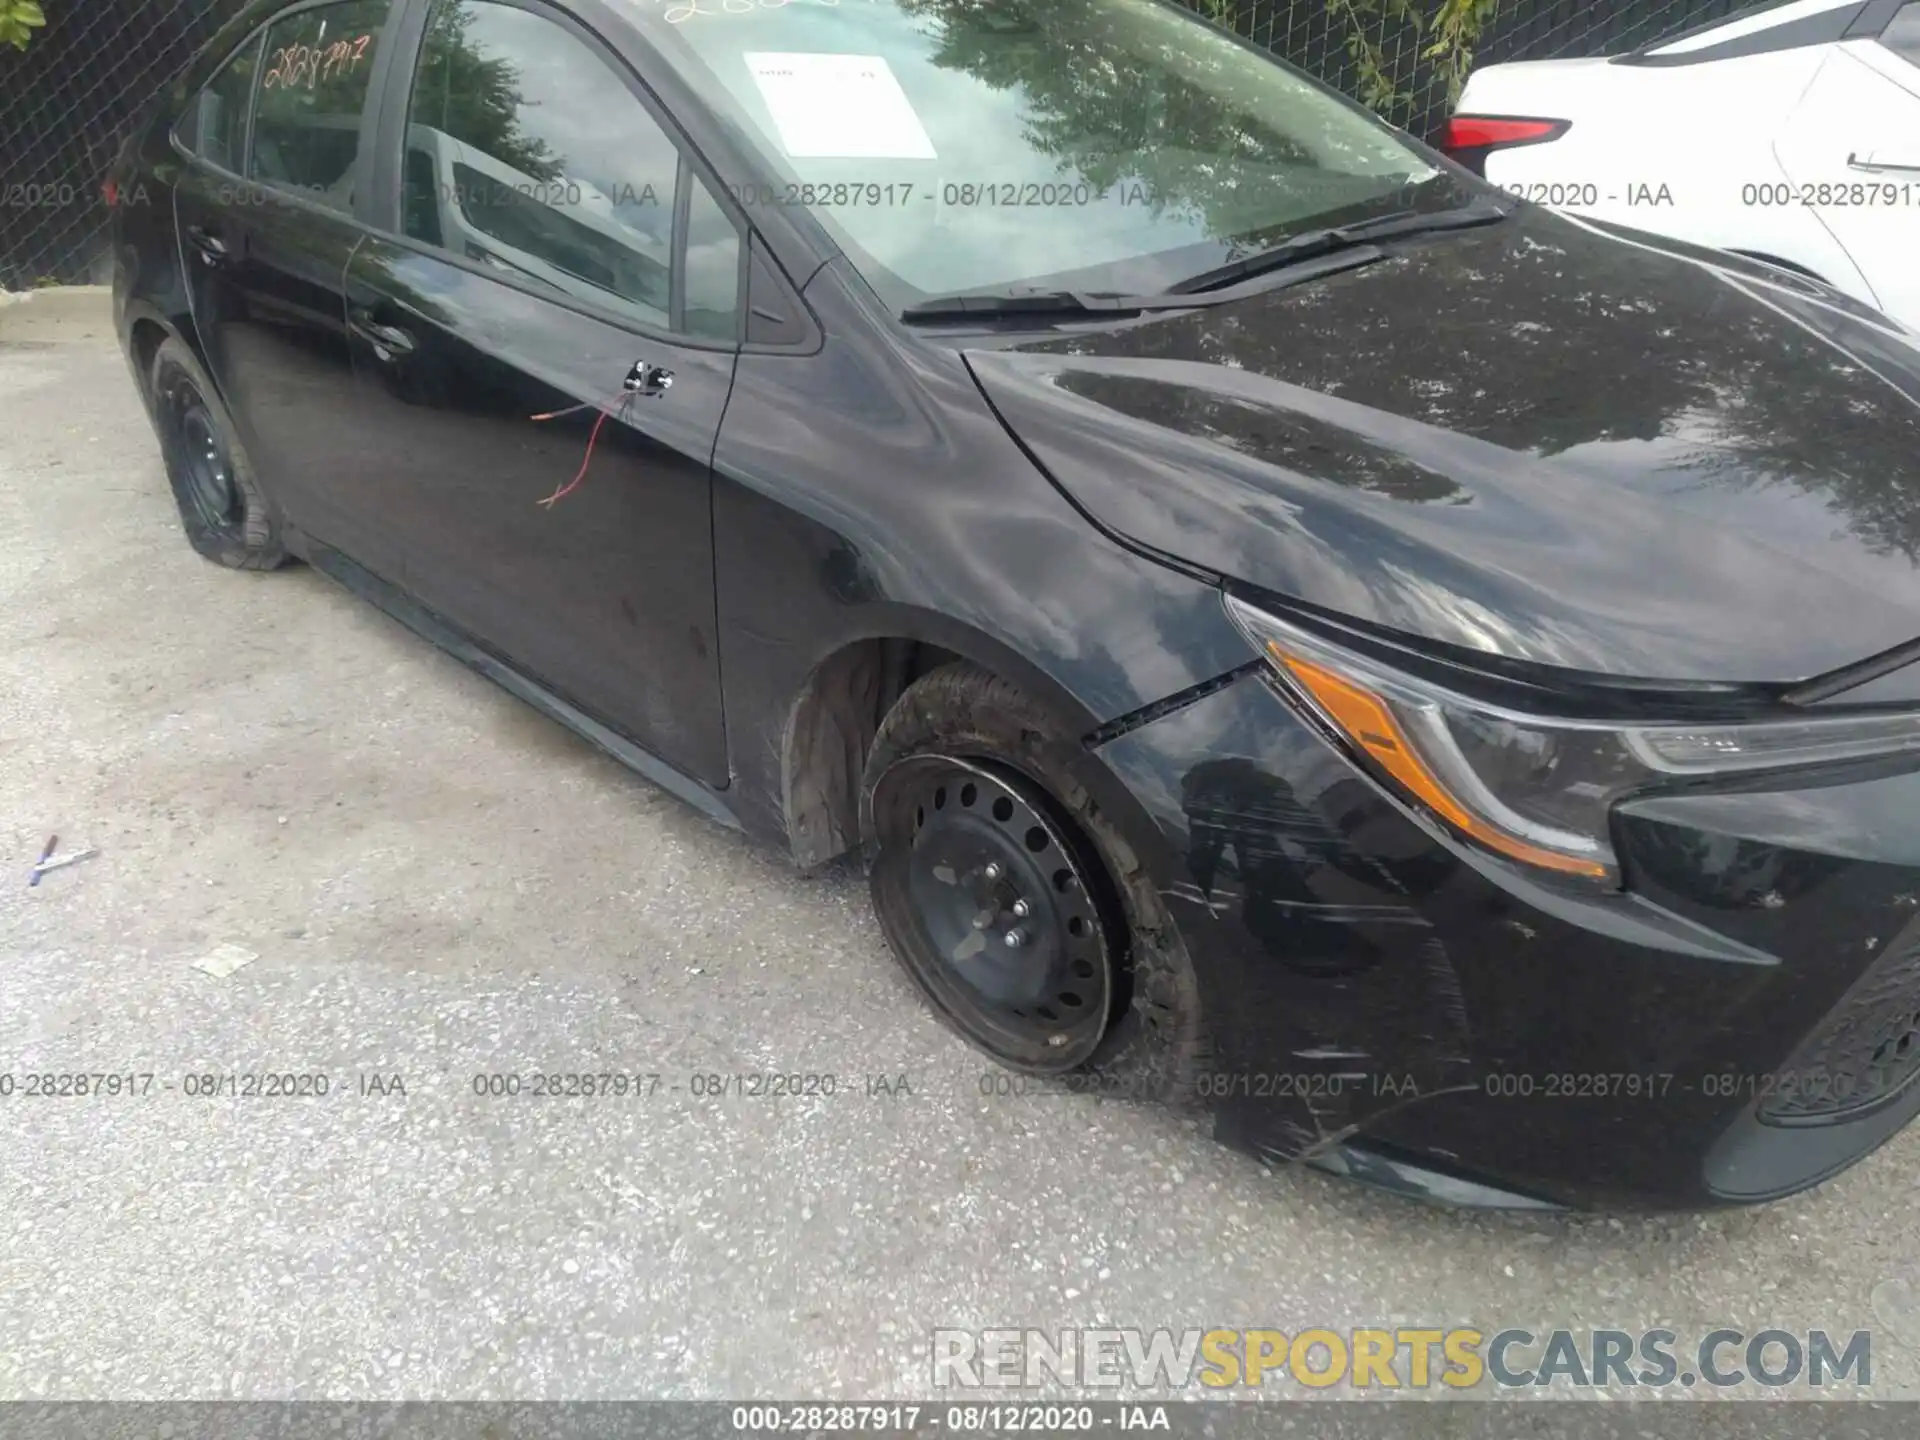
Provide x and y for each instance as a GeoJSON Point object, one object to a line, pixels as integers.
{"type": "Point", "coordinates": [66, 105]}
{"type": "Point", "coordinates": [69, 100]}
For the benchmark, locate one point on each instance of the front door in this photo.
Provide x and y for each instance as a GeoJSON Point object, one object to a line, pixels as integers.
{"type": "Point", "coordinates": [263, 214]}
{"type": "Point", "coordinates": [551, 321]}
{"type": "Point", "coordinates": [1852, 147]}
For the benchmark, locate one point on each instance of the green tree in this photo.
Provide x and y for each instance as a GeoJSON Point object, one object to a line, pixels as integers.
{"type": "Point", "coordinates": [1456, 27]}
{"type": "Point", "coordinates": [19, 19]}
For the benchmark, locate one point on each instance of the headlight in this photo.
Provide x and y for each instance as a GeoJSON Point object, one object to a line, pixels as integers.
{"type": "Point", "coordinates": [1535, 788]}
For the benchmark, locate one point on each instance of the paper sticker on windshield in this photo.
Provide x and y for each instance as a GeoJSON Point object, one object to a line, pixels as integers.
{"type": "Point", "coordinates": [839, 107]}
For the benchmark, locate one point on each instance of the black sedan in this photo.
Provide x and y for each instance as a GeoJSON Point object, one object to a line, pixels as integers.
{"type": "Point", "coordinates": [1288, 628]}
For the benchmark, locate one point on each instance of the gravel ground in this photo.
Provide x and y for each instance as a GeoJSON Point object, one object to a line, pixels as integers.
{"type": "Point", "coordinates": [439, 883]}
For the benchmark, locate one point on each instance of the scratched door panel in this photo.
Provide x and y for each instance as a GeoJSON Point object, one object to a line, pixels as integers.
{"type": "Point", "coordinates": [607, 594]}
{"type": "Point", "coordinates": [551, 237]}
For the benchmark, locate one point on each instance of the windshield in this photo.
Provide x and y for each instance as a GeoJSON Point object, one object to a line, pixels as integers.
{"type": "Point", "coordinates": [952, 146]}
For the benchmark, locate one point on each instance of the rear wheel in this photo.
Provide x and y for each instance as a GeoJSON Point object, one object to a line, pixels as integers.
{"type": "Point", "coordinates": [226, 515]}
{"type": "Point", "coordinates": [1013, 903]}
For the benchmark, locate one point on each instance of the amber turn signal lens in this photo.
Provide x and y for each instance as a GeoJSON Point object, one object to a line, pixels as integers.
{"type": "Point", "coordinates": [1369, 723]}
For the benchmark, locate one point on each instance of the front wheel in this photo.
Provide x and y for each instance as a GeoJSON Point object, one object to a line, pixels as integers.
{"type": "Point", "coordinates": [1013, 903]}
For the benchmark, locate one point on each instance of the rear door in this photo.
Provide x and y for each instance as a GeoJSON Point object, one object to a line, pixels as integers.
{"type": "Point", "coordinates": [1852, 148]}
{"type": "Point", "coordinates": [264, 213]}
{"type": "Point", "coordinates": [544, 321]}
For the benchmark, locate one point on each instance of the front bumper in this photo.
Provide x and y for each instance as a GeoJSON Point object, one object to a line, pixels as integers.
{"type": "Point", "coordinates": [1740, 1022]}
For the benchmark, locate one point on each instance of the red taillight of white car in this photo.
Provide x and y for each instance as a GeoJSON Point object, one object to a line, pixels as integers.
{"type": "Point", "coordinates": [1469, 139]}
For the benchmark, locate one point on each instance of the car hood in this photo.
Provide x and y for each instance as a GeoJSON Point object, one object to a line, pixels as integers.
{"type": "Point", "coordinates": [1544, 439]}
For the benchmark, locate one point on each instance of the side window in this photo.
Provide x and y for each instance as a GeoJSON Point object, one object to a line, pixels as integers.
{"type": "Point", "coordinates": [316, 67]}
{"type": "Point", "coordinates": [1902, 35]}
{"type": "Point", "coordinates": [214, 127]}
{"type": "Point", "coordinates": [526, 151]}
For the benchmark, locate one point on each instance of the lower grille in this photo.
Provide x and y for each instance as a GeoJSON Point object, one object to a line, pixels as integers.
{"type": "Point", "coordinates": [1868, 1049]}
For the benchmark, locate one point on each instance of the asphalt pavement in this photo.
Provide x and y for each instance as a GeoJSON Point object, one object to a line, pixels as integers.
{"type": "Point", "coordinates": [429, 885]}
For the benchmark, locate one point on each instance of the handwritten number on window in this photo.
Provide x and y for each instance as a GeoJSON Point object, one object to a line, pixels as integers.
{"type": "Point", "coordinates": [304, 66]}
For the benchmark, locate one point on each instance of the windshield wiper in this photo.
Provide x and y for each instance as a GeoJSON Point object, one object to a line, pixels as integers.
{"type": "Point", "coordinates": [1067, 304]}
{"type": "Point", "coordinates": [1341, 237]}
{"type": "Point", "coordinates": [988, 304]}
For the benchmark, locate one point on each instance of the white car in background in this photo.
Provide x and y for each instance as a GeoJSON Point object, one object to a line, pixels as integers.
{"type": "Point", "coordinates": [1790, 132]}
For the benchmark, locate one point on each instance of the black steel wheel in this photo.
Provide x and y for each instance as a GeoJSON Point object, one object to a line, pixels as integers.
{"type": "Point", "coordinates": [997, 906]}
{"type": "Point", "coordinates": [226, 515]}
{"type": "Point", "coordinates": [1012, 899]}
{"type": "Point", "coordinates": [209, 472]}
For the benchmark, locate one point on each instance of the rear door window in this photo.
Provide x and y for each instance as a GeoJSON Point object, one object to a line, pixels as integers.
{"type": "Point", "coordinates": [316, 67]}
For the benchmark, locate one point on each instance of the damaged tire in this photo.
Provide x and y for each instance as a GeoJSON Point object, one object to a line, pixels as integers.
{"type": "Point", "coordinates": [1014, 904]}
{"type": "Point", "coordinates": [227, 516]}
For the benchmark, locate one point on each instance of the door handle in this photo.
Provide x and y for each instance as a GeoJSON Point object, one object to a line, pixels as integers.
{"type": "Point", "coordinates": [213, 250]}
{"type": "Point", "coordinates": [389, 342]}
{"type": "Point", "coordinates": [645, 379]}
{"type": "Point", "coordinates": [1873, 164]}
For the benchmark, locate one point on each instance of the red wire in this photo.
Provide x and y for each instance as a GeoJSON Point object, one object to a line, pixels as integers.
{"type": "Point", "coordinates": [568, 488]}
{"type": "Point", "coordinates": [586, 460]}
{"type": "Point", "coordinates": [570, 410]}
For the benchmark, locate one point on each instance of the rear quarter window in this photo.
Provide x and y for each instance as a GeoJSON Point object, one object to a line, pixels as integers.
{"type": "Point", "coordinates": [1902, 35]}
{"type": "Point", "coordinates": [214, 125]}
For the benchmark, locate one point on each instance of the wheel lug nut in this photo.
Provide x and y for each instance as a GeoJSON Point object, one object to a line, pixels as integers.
{"type": "Point", "coordinates": [1016, 938]}
{"type": "Point", "coordinates": [1022, 909]}
{"type": "Point", "coordinates": [992, 872]}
